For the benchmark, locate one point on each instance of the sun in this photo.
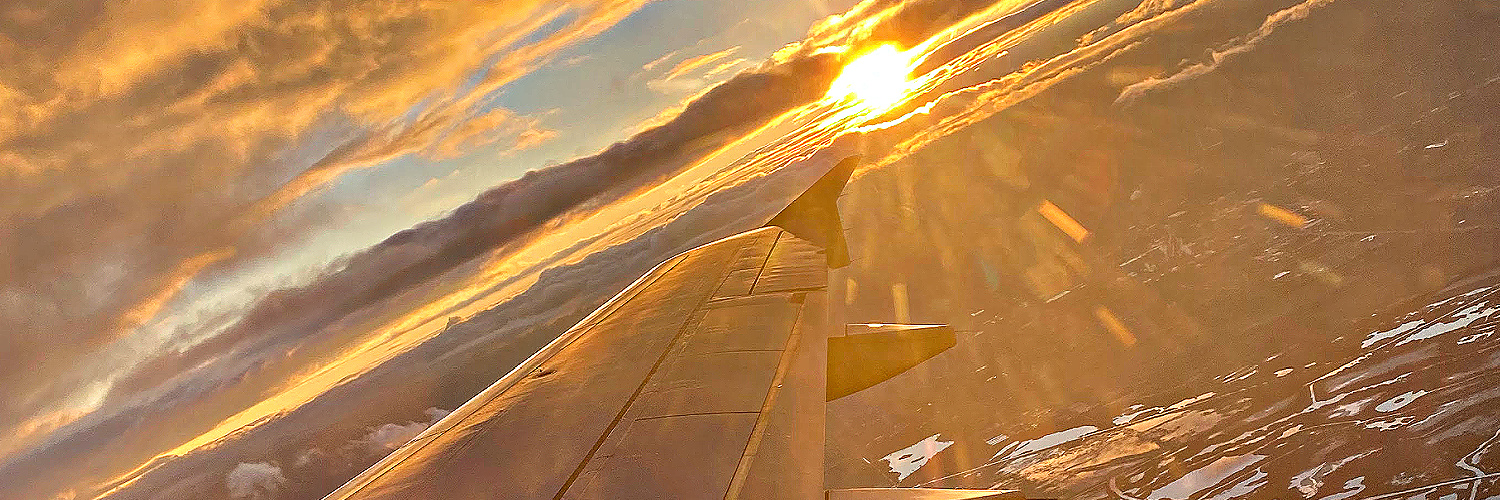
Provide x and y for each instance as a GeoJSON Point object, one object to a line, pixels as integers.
{"type": "Point", "coordinates": [875, 81]}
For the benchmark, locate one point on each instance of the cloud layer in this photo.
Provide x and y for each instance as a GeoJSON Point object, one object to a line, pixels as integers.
{"type": "Point", "coordinates": [142, 144]}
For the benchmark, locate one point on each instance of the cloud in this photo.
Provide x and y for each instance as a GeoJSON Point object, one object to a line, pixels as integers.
{"type": "Point", "coordinates": [905, 22]}
{"type": "Point", "coordinates": [577, 60]}
{"type": "Point", "coordinates": [1146, 10]}
{"type": "Point", "coordinates": [658, 61]}
{"type": "Point", "coordinates": [722, 67]}
{"type": "Point", "coordinates": [131, 169]}
{"type": "Point", "coordinates": [692, 63]}
{"type": "Point", "coordinates": [308, 457]}
{"type": "Point", "coordinates": [391, 436]}
{"type": "Point", "coordinates": [257, 480]}
{"type": "Point", "coordinates": [1239, 46]}
{"type": "Point", "coordinates": [674, 80]}
{"type": "Point", "coordinates": [387, 437]}
{"type": "Point", "coordinates": [517, 133]}
{"type": "Point", "coordinates": [532, 138]}
{"type": "Point", "coordinates": [144, 310]}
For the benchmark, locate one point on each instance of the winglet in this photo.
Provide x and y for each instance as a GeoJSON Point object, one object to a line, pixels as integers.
{"type": "Point", "coordinates": [860, 360]}
{"type": "Point", "coordinates": [814, 216]}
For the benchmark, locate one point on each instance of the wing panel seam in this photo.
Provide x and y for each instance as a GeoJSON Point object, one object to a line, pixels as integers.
{"type": "Point", "coordinates": [742, 470]}
{"type": "Point", "coordinates": [694, 318]}
{"type": "Point", "coordinates": [696, 414]}
{"type": "Point", "coordinates": [767, 260]}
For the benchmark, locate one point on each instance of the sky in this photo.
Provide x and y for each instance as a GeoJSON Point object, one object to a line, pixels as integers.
{"type": "Point", "coordinates": [205, 203]}
{"type": "Point", "coordinates": [252, 245]}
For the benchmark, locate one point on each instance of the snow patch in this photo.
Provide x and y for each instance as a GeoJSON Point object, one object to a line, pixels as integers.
{"type": "Point", "coordinates": [1205, 477]}
{"type": "Point", "coordinates": [907, 460]}
{"type": "Point", "coordinates": [1047, 441]}
{"type": "Point", "coordinates": [1398, 402]}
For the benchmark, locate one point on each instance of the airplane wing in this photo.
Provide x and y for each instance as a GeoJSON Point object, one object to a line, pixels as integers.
{"type": "Point", "coordinates": [663, 392]}
{"type": "Point", "coordinates": [706, 378]}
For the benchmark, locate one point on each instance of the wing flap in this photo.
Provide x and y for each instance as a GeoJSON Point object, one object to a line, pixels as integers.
{"type": "Point", "coordinates": [859, 361]}
{"type": "Point", "coordinates": [794, 264]}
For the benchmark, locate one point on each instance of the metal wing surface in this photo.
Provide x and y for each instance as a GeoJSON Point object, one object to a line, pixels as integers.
{"type": "Point", "coordinates": [688, 384]}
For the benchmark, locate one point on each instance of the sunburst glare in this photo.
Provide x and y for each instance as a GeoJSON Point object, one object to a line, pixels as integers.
{"type": "Point", "coordinates": [875, 81]}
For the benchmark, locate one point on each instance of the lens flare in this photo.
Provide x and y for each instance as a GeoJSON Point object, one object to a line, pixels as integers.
{"type": "Point", "coordinates": [875, 81]}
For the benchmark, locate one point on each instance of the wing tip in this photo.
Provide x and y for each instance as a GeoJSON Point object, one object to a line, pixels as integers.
{"type": "Point", "coordinates": [814, 215]}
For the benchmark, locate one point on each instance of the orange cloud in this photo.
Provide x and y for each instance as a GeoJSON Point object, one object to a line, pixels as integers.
{"type": "Point", "coordinates": [146, 309]}
{"type": "Point", "coordinates": [657, 62]}
{"type": "Point", "coordinates": [722, 67]}
{"type": "Point", "coordinates": [692, 63]}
